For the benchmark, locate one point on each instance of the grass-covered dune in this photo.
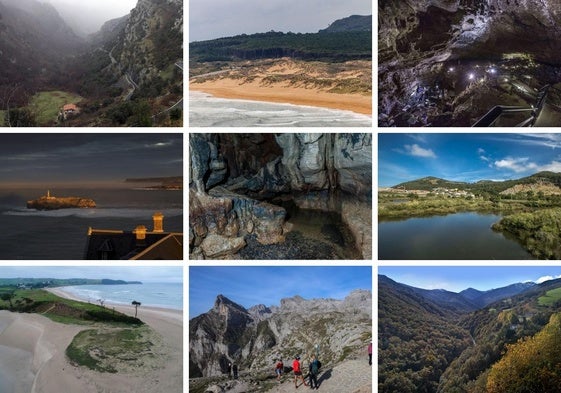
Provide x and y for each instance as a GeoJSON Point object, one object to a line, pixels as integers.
{"type": "Point", "coordinates": [59, 309]}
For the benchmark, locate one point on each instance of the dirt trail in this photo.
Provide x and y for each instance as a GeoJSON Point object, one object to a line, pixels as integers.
{"type": "Point", "coordinates": [351, 376]}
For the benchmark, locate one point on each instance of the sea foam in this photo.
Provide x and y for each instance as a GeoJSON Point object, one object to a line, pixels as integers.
{"type": "Point", "coordinates": [208, 111]}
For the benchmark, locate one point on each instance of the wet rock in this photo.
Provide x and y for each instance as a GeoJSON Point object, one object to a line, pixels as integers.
{"type": "Point", "coordinates": [216, 246]}
{"type": "Point", "coordinates": [358, 217]}
{"type": "Point", "coordinates": [353, 162]}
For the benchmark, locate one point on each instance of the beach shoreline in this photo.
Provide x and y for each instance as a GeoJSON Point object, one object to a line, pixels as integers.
{"type": "Point", "coordinates": [252, 91]}
{"type": "Point", "coordinates": [49, 371]}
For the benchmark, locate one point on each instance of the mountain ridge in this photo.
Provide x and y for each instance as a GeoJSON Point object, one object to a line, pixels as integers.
{"type": "Point", "coordinates": [428, 183]}
{"type": "Point", "coordinates": [254, 337]}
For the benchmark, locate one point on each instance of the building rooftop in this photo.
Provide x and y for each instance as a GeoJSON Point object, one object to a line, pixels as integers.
{"type": "Point", "coordinates": [138, 244]}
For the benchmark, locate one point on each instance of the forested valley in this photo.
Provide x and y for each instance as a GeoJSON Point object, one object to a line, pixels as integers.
{"type": "Point", "coordinates": [503, 340]}
{"type": "Point", "coordinates": [130, 73]}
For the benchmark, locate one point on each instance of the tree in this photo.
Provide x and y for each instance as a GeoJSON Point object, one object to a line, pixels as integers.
{"type": "Point", "coordinates": [7, 297]}
{"type": "Point", "coordinates": [19, 118]}
{"type": "Point", "coordinates": [135, 304]}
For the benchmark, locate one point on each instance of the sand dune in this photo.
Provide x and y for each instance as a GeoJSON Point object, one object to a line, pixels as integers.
{"type": "Point", "coordinates": [292, 82]}
{"type": "Point", "coordinates": [47, 370]}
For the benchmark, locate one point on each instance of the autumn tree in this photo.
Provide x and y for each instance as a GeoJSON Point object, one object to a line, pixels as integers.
{"type": "Point", "coordinates": [530, 365]}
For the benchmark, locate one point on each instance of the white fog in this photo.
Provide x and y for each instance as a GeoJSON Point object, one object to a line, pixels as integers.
{"type": "Point", "coordinates": [87, 16]}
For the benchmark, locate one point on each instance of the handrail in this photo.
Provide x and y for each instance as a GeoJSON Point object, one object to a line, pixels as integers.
{"type": "Point", "coordinates": [493, 115]}
{"type": "Point", "coordinates": [489, 119]}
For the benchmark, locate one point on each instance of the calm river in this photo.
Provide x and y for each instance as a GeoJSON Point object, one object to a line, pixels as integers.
{"type": "Point", "coordinates": [455, 236]}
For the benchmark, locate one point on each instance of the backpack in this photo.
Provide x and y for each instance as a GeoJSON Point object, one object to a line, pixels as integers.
{"type": "Point", "coordinates": [315, 366]}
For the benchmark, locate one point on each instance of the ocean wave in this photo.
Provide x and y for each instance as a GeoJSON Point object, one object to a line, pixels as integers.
{"type": "Point", "coordinates": [93, 213]}
{"type": "Point", "coordinates": [206, 110]}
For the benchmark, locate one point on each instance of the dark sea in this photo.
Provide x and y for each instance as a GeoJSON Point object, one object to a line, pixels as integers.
{"type": "Point", "coordinates": [61, 234]}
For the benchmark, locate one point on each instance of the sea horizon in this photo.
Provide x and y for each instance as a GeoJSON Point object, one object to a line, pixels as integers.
{"type": "Point", "coordinates": [160, 295]}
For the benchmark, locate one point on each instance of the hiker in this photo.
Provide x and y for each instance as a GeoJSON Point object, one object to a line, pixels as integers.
{"type": "Point", "coordinates": [370, 353]}
{"type": "Point", "coordinates": [279, 368]}
{"type": "Point", "coordinates": [229, 370]}
{"type": "Point", "coordinates": [297, 371]}
{"type": "Point", "coordinates": [235, 369]}
{"type": "Point", "coordinates": [314, 371]}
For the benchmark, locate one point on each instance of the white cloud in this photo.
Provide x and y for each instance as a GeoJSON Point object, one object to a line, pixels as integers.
{"type": "Point", "coordinates": [481, 152]}
{"type": "Point", "coordinates": [553, 166]}
{"type": "Point", "coordinates": [546, 278]}
{"type": "Point", "coordinates": [418, 151]}
{"type": "Point", "coordinates": [516, 164]}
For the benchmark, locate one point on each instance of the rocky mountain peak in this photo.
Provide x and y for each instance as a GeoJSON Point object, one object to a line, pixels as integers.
{"type": "Point", "coordinates": [259, 311]}
{"type": "Point", "coordinates": [255, 337]}
{"type": "Point", "coordinates": [223, 305]}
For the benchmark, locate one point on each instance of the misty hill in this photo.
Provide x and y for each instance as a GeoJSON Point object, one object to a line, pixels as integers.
{"type": "Point", "coordinates": [34, 42]}
{"type": "Point", "coordinates": [418, 334]}
{"type": "Point", "coordinates": [537, 179]}
{"type": "Point", "coordinates": [346, 41]}
{"type": "Point", "coordinates": [129, 73]}
{"type": "Point", "coordinates": [351, 23]}
{"type": "Point", "coordinates": [254, 337]}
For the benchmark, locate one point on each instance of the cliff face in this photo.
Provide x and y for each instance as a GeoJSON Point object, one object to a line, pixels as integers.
{"type": "Point", "coordinates": [54, 203]}
{"type": "Point", "coordinates": [254, 338]}
{"type": "Point", "coordinates": [151, 40]}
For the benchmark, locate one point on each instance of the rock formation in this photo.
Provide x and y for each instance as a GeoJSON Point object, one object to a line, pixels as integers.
{"type": "Point", "coordinates": [239, 182]}
{"type": "Point", "coordinates": [254, 338]}
{"type": "Point", "coordinates": [48, 202]}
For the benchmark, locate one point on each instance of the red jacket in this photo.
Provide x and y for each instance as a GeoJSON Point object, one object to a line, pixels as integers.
{"type": "Point", "coordinates": [296, 366]}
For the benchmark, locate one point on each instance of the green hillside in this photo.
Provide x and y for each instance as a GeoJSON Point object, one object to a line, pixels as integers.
{"type": "Point", "coordinates": [423, 349]}
{"type": "Point", "coordinates": [337, 46]}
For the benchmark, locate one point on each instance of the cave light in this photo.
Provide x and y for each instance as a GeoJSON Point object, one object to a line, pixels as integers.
{"type": "Point", "coordinates": [471, 76]}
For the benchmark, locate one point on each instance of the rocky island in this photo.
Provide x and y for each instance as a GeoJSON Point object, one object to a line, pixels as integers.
{"type": "Point", "coordinates": [48, 202]}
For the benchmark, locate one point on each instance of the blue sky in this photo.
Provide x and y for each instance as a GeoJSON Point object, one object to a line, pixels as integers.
{"type": "Point", "coordinates": [465, 157]}
{"type": "Point", "coordinates": [267, 285]}
{"type": "Point", "coordinates": [159, 274]}
{"type": "Point", "coordinates": [458, 278]}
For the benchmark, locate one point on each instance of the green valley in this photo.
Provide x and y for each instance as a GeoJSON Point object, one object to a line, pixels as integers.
{"type": "Point", "coordinates": [506, 344]}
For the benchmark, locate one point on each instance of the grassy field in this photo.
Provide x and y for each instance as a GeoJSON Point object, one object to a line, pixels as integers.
{"type": "Point", "coordinates": [46, 105]}
{"type": "Point", "coordinates": [550, 298]}
{"type": "Point", "coordinates": [109, 350]}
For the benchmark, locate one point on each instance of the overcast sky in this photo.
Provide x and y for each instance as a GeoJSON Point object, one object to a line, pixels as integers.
{"type": "Point", "coordinates": [458, 278]}
{"type": "Point", "coordinates": [89, 15]}
{"type": "Point", "coordinates": [159, 274]}
{"type": "Point", "coordinates": [52, 159]}
{"type": "Point", "coordinates": [210, 19]}
{"type": "Point", "coordinates": [252, 285]}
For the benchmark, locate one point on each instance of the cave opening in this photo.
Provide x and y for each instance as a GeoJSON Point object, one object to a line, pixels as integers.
{"type": "Point", "coordinates": [469, 63]}
{"type": "Point", "coordinates": [280, 196]}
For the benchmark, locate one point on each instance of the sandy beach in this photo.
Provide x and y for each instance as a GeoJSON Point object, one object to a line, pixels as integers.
{"type": "Point", "coordinates": [292, 82]}
{"type": "Point", "coordinates": [39, 364]}
{"type": "Point", "coordinates": [233, 89]}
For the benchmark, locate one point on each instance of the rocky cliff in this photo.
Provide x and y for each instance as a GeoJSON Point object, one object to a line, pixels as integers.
{"type": "Point", "coordinates": [54, 203]}
{"type": "Point", "coordinates": [254, 338]}
{"type": "Point", "coordinates": [233, 179]}
{"type": "Point", "coordinates": [151, 41]}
